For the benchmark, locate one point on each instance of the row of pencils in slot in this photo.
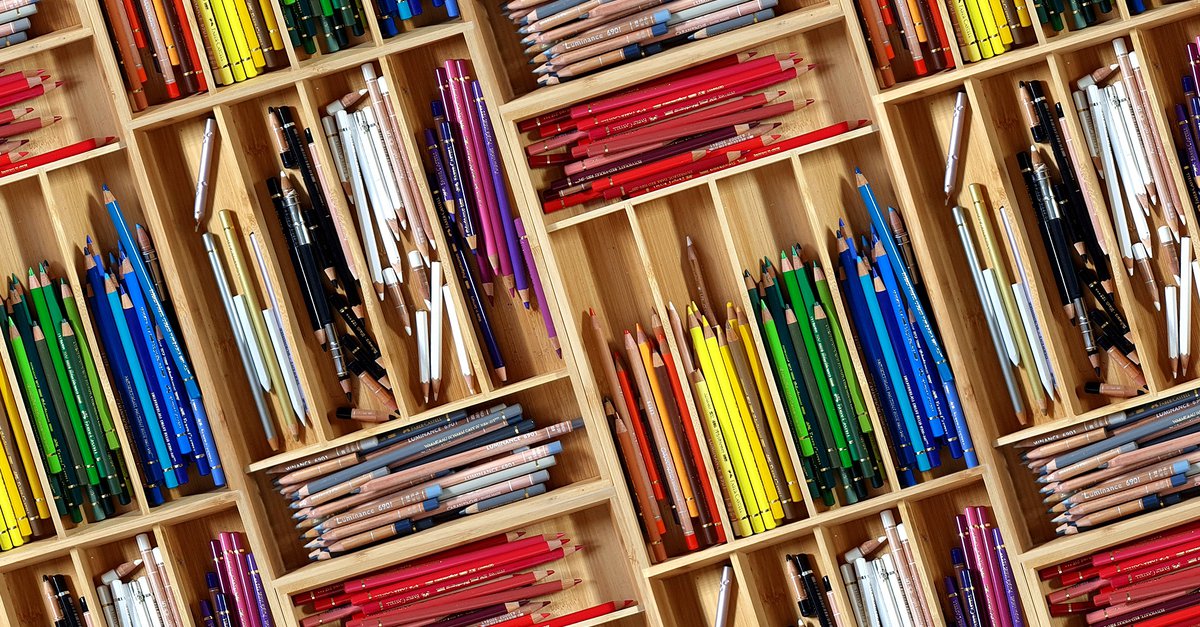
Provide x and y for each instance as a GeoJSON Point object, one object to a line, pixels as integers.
{"type": "Point", "coordinates": [907, 36]}
{"type": "Point", "coordinates": [418, 476]}
{"type": "Point", "coordinates": [1120, 465]}
{"type": "Point", "coordinates": [567, 39]}
{"type": "Point", "coordinates": [63, 609]}
{"type": "Point", "coordinates": [76, 432]}
{"type": "Point", "coordinates": [691, 123]}
{"type": "Point", "coordinates": [983, 589]}
{"type": "Point", "coordinates": [128, 601]}
{"type": "Point", "coordinates": [15, 21]}
{"type": "Point", "coordinates": [1068, 223]}
{"type": "Point", "coordinates": [495, 581]}
{"type": "Point", "coordinates": [1149, 581]}
{"type": "Point", "coordinates": [19, 125]}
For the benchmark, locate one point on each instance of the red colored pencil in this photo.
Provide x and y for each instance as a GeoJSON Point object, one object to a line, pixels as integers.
{"type": "Point", "coordinates": [390, 585]}
{"type": "Point", "coordinates": [445, 585]}
{"type": "Point", "coordinates": [1065, 568]}
{"type": "Point", "coordinates": [685, 159]}
{"type": "Point", "coordinates": [589, 613]}
{"type": "Point", "coordinates": [555, 142]}
{"type": "Point", "coordinates": [524, 620]}
{"type": "Point", "coordinates": [677, 82]}
{"type": "Point", "coordinates": [639, 429]}
{"type": "Point", "coordinates": [13, 98]}
{"type": "Point", "coordinates": [1149, 560]}
{"type": "Point", "coordinates": [1098, 615]}
{"type": "Point", "coordinates": [1158, 542]}
{"type": "Point", "coordinates": [421, 611]}
{"type": "Point", "coordinates": [12, 83]}
{"type": "Point", "coordinates": [56, 155]}
{"type": "Point", "coordinates": [741, 111]}
{"type": "Point", "coordinates": [549, 160]}
{"type": "Point", "coordinates": [1187, 616]}
{"type": "Point", "coordinates": [453, 591]}
{"type": "Point", "coordinates": [8, 115]}
{"type": "Point", "coordinates": [1182, 580]}
{"type": "Point", "coordinates": [9, 158]}
{"type": "Point", "coordinates": [681, 107]}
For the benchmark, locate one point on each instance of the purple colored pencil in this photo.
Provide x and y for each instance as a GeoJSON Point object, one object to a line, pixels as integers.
{"type": "Point", "coordinates": [260, 592]}
{"type": "Point", "coordinates": [512, 246]}
{"type": "Point", "coordinates": [1194, 62]}
{"type": "Point", "coordinates": [956, 608]}
{"type": "Point", "coordinates": [538, 291]}
{"type": "Point", "coordinates": [1012, 597]}
{"type": "Point", "coordinates": [1189, 143]}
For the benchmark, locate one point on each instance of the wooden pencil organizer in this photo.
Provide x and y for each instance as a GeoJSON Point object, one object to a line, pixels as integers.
{"type": "Point", "coordinates": [586, 520]}
{"type": "Point", "coordinates": [25, 599]}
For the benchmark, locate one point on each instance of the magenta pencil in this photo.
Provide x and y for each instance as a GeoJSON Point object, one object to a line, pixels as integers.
{"type": "Point", "coordinates": [993, 603]}
{"type": "Point", "coordinates": [235, 575]}
{"type": "Point", "coordinates": [469, 137]}
{"type": "Point", "coordinates": [538, 291]}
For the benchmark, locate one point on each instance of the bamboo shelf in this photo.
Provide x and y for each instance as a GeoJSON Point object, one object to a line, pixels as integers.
{"type": "Point", "coordinates": [623, 258]}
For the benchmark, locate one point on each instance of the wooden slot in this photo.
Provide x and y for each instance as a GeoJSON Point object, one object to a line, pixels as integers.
{"type": "Point", "coordinates": [770, 591]}
{"type": "Point", "coordinates": [76, 192]}
{"type": "Point", "coordinates": [53, 18]}
{"type": "Point", "coordinates": [175, 151]}
{"type": "Point", "coordinates": [1032, 512]}
{"type": "Point", "coordinates": [838, 92]}
{"type": "Point", "coordinates": [520, 333]}
{"type": "Point", "coordinates": [664, 225]}
{"type": "Point", "coordinates": [1163, 55]}
{"type": "Point", "coordinates": [545, 405]}
{"type": "Point", "coordinates": [400, 347]}
{"type": "Point", "coordinates": [1010, 134]}
{"type": "Point", "coordinates": [249, 134]}
{"type": "Point", "coordinates": [191, 557]}
{"type": "Point", "coordinates": [25, 598]}
{"type": "Point", "coordinates": [513, 64]}
{"type": "Point", "coordinates": [602, 562]}
{"type": "Point", "coordinates": [1151, 322]}
{"type": "Point", "coordinates": [903, 68]}
{"type": "Point", "coordinates": [97, 560]}
{"type": "Point", "coordinates": [926, 133]}
{"type": "Point", "coordinates": [82, 101]}
{"type": "Point", "coordinates": [690, 598]}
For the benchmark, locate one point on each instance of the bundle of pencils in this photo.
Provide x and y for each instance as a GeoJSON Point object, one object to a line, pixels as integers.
{"type": "Point", "coordinates": [917, 26]}
{"type": "Point", "coordinates": [566, 39]}
{"type": "Point", "coordinates": [414, 477]}
{"type": "Point", "coordinates": [810, 362]}
{"type": "Point", "coordinates": [125, 600]}
{"type": "Point", "coordinates": [983, 589]}
{"type": "Point", "coordinates": [24, 160]}
{"type": "Point", "coordinates": [915, 384]}
{"type": "Point", "coordinates": [1119, 465]}
{"type": "Point", "coordinates": [685, 125]}
{"type": "Point", "coordinates": [61, 389]}
{"type": "Point", "coordinates": [485, 234]}
{"type": "Point", "coordinates": [62, 607]}
{"type": "Point", "coordinates": [754, 471]}
{"type": "Point", "coordinates": [886, 590]}
{"type": "Point", "coordinates": [318, 252]}
{"type": "Point", "coordinates": [1187, 123]}
{"type": "Point", "coordinates": [392, 13]}
{"type": "Point", "coordinates": [236, 594]}
{"type": "Point", "coordinates": [1069, 225]}
{"type": "Point", "coordinates": [1149, 582]}
{"type": "Point", "coordinates": [328, 24]}
{"type": "Point", "coordinates": [989, 28]}
{"type": "Point", "coordinates": [24, 510]}
{"type": "Point", "coordinates": [1016, 329]}
{"type": "Point", "coordinates": [161, 402]}
{"type": "Point", "coordinates": [493, 581]}
{"type": "Point", "coordinates": [812, 592]}
{"type": "Point", "coordinates": [15, 21]}
{"type": "Point", "coordinates": [158, 55]}
{"type": "Point", "coordinates": [1130, 156]}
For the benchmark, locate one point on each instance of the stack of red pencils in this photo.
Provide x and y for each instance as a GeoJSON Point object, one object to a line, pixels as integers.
{"type": "Point", "coordinates": [1150, 582]}
{"type": "Point", "coordinates": [18, 120]}
{"type": "Point", "coordinates": [691, 123]}
{"type": "Point", "coordinates": [501, 580]}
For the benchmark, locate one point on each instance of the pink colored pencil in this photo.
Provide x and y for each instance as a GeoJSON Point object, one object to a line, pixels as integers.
{"type": "Point", "coordinates": [701, 122]}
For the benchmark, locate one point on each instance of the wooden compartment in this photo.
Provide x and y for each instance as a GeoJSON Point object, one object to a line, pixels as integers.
{"type": "Point", "coordinates": [187, 543]}
{"type": "Point", "coordinates": [837, 90]}
{"type": "Point", "coordinates": [546, 404]}
{"type": "Point", "coordinates": [399, 347]}
{"type": "Point", "coordinates": [767, 586]}
{"type": "Point", "coordinates": [512, 64]}
{"type": "Point", "coordinates": [82, 101]}
{"type": "Point", "coordinates": [690, 597]}
{"type": "Point", "coordinates": [602, 563]}
{"type": "Point", "coordinates": [249, 134]}
{"type": "Point", "coordinates": [520, 332]}
{"type": "Point", "coordinates": [25, 598]}
{"type": "Point", "coordinates": [96, 560]}
{"type": "Point", "coordinates": [75, 195]}
{"type": "Point", "coordinates": [926, 137]}
{"type": "Point", "coordinates": [1000, 106]}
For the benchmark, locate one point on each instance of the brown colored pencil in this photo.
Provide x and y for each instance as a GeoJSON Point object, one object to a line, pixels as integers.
{"type": "Point", "coordinates": [641, 488]}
